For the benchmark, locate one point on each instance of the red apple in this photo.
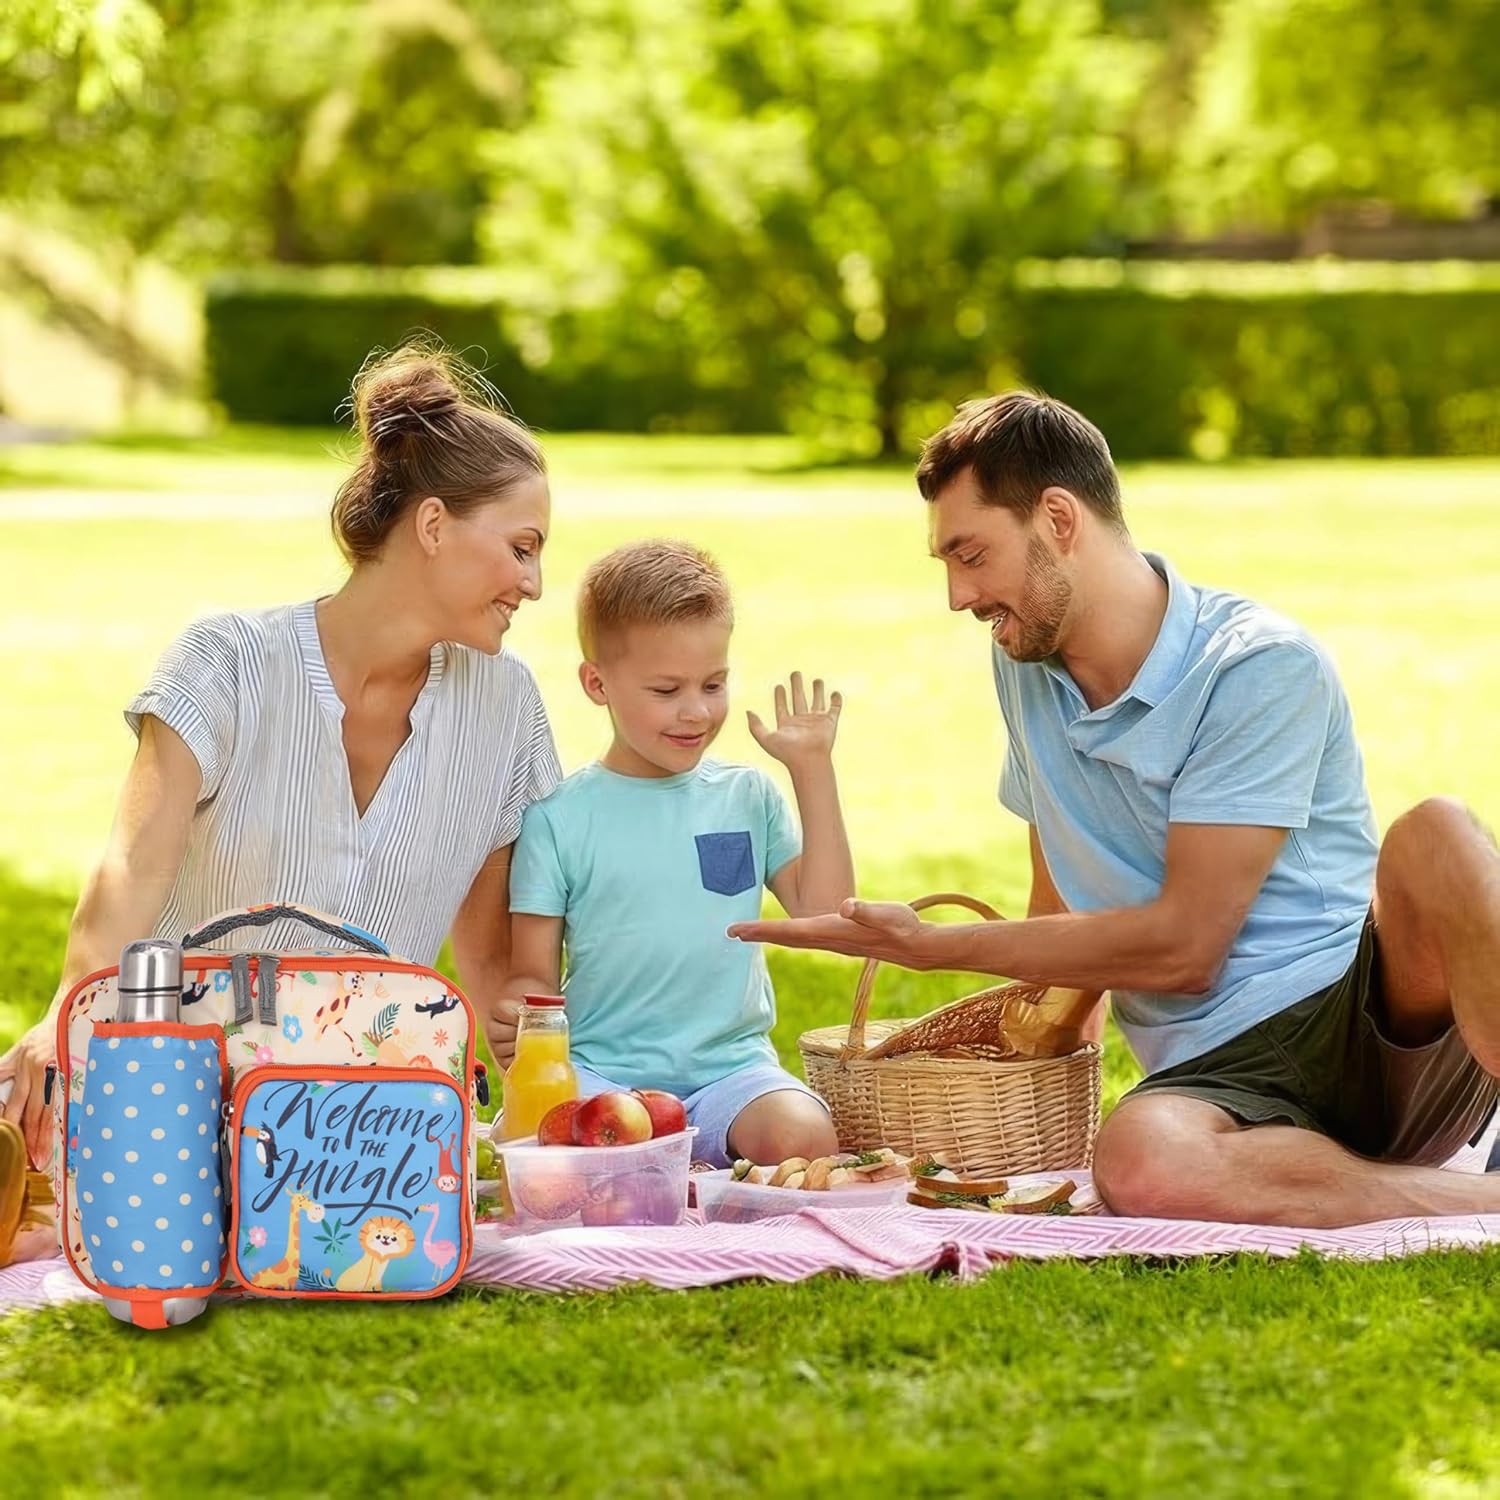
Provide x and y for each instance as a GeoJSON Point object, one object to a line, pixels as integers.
{"type": "Point", "coordinates": [666, 1111]}
{"type": "Point", "coordinates": [614, 1119]}
{"type": "Point", "coordinates": [549, 1193]}
{"type": "Point", "coordinates": [556, 1128]}
{"type": "Point", "coordinates": [651, 1196]}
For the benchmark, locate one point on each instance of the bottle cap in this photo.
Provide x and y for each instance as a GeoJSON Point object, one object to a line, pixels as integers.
{"type": "Point", "coordinates": [544, 1002]}
{"type": "Point", "coordinates": [150, 964]}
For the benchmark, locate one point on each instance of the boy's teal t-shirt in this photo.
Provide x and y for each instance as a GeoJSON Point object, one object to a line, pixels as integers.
{"type": "Point", "coordinates": [646, 874]}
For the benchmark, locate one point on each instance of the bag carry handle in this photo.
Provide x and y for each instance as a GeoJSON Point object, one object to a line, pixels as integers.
{"type": "Point", "coordinates": [855, 1043]}
{"type": "Point", "coordinates": [284, 911]}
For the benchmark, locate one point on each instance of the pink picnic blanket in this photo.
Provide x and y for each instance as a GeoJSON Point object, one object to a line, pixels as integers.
{"type": "Point", "coordinates": [880, 1243]}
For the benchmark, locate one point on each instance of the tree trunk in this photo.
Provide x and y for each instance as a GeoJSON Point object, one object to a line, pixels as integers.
{"type": "Point", "coordinates": [888, 398]}
{"type": "Point", "coordinates": [131, 374]}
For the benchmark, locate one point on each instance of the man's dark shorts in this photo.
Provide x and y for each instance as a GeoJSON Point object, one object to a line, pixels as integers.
{"type": "Point", "coordinates": [1325, 1064]}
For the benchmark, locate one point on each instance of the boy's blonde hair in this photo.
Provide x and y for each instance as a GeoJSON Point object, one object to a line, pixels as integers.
{"type": "Point", "coordinates": [649, 583]}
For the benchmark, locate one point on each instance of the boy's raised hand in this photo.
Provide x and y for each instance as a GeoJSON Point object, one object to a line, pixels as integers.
{"type": "Point", "coordinates": [804, 732]}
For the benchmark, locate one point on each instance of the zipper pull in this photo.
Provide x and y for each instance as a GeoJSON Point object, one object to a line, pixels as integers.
{"type": "Point", "coordinates": [481, 1083]}
{"type": "Point", "coordinates": [266, 965]}
{"type": "Point", "coordinates": [239, 974]}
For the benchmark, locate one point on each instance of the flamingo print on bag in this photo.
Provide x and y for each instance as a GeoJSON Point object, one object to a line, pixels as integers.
{"type": "Point", "coordinates": [440, 1253]}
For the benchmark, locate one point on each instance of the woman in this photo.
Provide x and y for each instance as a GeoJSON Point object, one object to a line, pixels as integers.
{"type": "Point", "coordinates": [369, 753]}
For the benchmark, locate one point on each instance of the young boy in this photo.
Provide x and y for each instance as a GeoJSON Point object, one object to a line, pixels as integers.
{"type": "Point", "coordinates": [636, 864]}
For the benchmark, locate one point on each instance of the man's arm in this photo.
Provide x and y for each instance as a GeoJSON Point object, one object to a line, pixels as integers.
{"type": "Point", "coordinates": [1046, 902]}
{"type": "Point", "coordinates": [1175, 944]}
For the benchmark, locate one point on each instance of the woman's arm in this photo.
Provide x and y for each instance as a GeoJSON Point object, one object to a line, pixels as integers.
{"type": "Point", "coordinates": [121, 901]}
{"type": "Point", "coordinates": [481, 931]}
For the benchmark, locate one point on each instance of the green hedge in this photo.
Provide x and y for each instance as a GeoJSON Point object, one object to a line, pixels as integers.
{"type": "Point", "coordinates": [1275, 360]}
{"type": "Point", "coordinates": [283, 344]}
{"type": "Point", "coordinates": [1171, 360]}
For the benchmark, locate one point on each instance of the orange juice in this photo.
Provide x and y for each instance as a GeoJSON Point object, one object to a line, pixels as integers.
{"type": "Point", "coordinates": [541, 1074]}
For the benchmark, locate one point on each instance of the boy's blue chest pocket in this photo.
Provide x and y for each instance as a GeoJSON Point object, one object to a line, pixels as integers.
{"type": "Point", "coordinates": [726, 862]}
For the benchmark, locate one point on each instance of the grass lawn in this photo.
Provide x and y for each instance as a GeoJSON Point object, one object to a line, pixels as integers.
{"type": "Point", "coordinates": [1233, 1378]}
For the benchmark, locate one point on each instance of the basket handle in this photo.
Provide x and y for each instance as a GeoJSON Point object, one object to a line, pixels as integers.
{"type": "Point", "coordinates": [854, 1045]}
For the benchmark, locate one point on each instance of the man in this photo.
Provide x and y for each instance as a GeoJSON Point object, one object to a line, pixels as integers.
{"type": "Point", "coordinates": [1318, 1013]}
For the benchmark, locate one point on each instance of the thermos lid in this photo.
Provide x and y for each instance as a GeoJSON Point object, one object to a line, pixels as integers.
{"type": "Point", "coordinates": [150, 964]}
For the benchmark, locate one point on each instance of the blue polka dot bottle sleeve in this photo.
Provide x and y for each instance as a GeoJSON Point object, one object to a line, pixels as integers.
{"type": "Point", "coordinates": [150, 1196]}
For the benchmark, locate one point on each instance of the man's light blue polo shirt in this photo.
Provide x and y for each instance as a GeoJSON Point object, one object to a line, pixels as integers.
{"type": "Point", "coordinates": [1236, 716]}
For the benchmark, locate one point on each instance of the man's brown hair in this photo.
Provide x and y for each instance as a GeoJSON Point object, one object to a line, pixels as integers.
{"type": "Point", "coordinates": [1018, 444]}
{"type": "Point", "coordinates": [649, 583]}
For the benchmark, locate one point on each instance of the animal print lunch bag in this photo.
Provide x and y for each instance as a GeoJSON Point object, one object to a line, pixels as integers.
{"type": "Point", "coordinates": [306, 1129]}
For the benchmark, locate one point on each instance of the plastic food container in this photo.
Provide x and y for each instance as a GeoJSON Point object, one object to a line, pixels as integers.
{"type": "Point", "coordinates": [722, 1200]}
{"type": "Point", "coordinates": [561, 1187]}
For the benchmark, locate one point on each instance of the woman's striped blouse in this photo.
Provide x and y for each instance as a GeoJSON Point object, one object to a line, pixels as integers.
{"type": "Point", "coordinates": [251, 696]}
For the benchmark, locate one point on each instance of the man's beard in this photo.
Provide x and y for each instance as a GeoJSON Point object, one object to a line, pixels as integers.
{"type": "Point", "coordinates": [1043, 608]}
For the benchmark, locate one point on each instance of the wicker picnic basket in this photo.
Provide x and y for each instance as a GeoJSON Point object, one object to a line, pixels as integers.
{"type": "Point", "coordinates": [955, 1085]}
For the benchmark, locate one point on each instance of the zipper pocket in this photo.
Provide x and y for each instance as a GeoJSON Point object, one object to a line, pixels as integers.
{"type": "Point", "coordinates": [334, 1173]}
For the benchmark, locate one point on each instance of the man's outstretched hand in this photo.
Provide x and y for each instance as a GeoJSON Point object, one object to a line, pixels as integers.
{"type": "Point", "coordinates": [888, 930]}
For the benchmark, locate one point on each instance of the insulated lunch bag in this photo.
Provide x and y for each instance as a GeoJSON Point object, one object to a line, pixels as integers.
{"type": "Point", "coordinates": [305, 1129]}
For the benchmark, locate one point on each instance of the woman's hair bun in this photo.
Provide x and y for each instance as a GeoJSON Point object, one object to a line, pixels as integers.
{"type": "Point", "coordinates": [429, 424]}
{"type": "Point", "coordinates": [403, 395]}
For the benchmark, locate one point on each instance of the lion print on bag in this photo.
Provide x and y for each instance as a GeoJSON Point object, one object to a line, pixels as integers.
{"type": "Point", "coordinates": [383, 1238]}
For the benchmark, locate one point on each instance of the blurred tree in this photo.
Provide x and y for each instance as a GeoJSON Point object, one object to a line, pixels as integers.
{"type": "Point", "coordinates": [100, 49]}
{"type": "Point", "coordinates": [827, 195]}
{"type": "Point", "coordinates": [324, 130]}
{"type": "Point", "coordinates": [392, 166]}
{"type": "Point", "coordinates": [194, 164]}
{"type": "Point", "coordinates": [236, 132]}
{"type": "Point", "coordinates": [1303, 103]}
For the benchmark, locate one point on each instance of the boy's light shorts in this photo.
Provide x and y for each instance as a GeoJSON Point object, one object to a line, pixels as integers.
{"type": "Point", "coordinates": [713, 1108]}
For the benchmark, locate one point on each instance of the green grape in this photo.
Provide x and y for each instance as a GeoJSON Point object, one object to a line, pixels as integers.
{"type": "Point", "coordinates": [484, 1157]}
